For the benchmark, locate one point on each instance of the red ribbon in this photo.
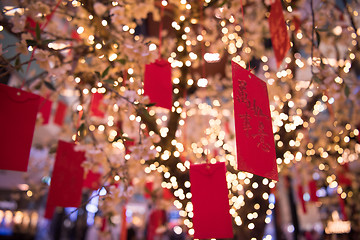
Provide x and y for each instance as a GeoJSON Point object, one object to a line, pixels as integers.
{"type": "Point", "coordinates": [48, 18]}
{"type": "Point", "coordinates": [203, 42]}
{"type": "Point", "coordinates": [161, 28]}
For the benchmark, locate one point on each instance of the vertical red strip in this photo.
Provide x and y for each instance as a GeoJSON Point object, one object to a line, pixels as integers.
{"type": "Point", "coordinates": [342, 208]}
{"type": "Point", "coordinates": [301, 198]}
{"type": "Point", "coordinates": [312, 190]}
{"type": "Point", "coordinates": [123, 232]}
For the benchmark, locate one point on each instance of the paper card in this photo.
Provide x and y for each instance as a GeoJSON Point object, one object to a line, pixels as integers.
{"type": "Point", "coordinates": [210, 201]}
{"type": "Point", "coordinates": [18, 110]}
{"type": "Point", "coordinates": [253, 128]}
{"type": "Point", "coordinates": [123, 229]}
{"type": "Point", "coordinates": [45, 110]}
{"type": "Point", "coordinates": [128, 144]}
{"type": "Point", "coordinates": [167, 194]}
{"type": "Point", "coordinates": [312, 191]}
{"type": "Point", "coordinates": [97, 105]}
{"type": "Point", "coordinates": [60, 113]}
{"type": "Point", "coordinates": [279, 36]}
{"type": "Point", "coordinates": [149, 186]}
{"type": "Point", "coordinates": [157, 219]}
{"type": "Point", "coordinates": [157, 83]}
{"type": "Point", "coordinates": [342, 208]}
{"type": "Point", "coordinates": [300, 192]}
{"type": "Point", "coordinates": [92, 180]}
{"type": "Point", "coordinates": [66, 180]}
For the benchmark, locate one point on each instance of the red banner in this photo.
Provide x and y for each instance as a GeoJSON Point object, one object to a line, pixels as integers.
{"type": "Point", "coordinates": [254, 136]}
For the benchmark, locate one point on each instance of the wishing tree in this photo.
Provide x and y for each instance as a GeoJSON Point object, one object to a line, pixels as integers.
{"type": "Point", "coordinates": [90, 57]}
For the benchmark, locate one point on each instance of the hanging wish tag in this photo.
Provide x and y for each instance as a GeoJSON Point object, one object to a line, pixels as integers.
{"type": "Point", "coordinates": [157, 83]}
{"type": "Point", "coordinates": [45, 110]}
{"type": "Point", "coordinates": [278, 30]}
{"type": "Point", "coordinates": [210, 201]}
{"type": "Point", "coordinates": [60, 113]}
{"type": "Point", "coordinates": [253, 127]}
{"type": "Point", "coordinates": [96, 107]}
{"type": "Point", "coordinates": [66, 180]}
{"type": "Point", "coordinates": [18, 110]}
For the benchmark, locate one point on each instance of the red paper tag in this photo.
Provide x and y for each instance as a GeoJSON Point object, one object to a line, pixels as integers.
{"type": "Point", "coordinates": [66, 180]}
{"type": "Point", "coordinates": [167, 194]}
{"type": "Point", "coordinates": [312, 190]}
{"type": "Point", "coordinates": [92, 180]}
{"type": "Point", "coordinates": [157, 83]}
{"type": "Point", "coordinates": [210, 201]}
{"type": "Point", "coordinates": [96, 105]}
{"type": "Point", "coordinates": [279, 36]}
{"type": "Point", "coordinates": [60, 113]}
{"type": "Point", "coordinates": [45, 110]}
{"type": "Point", "coordinates": [123, 230]}
{"type": "Point", "coordinates": [157, 218]}
{"type": "Point", "coordinates": [300, 192]}
{"type": "Point", "coordinates": [254, 136]}
{"type": "Point", "coordinates": [148, 189]}
{"type": "Point", "coordinates": [18, 110]}
{"type": "Point", "coordinates": [342, 208]}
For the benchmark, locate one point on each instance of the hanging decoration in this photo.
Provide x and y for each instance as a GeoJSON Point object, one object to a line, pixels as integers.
{"type": "Point", "coordinates": [210, 201]}
{"type": "Point", "coordinates": [253, 127]}
{"type": "Point", "coordinates": [96, 107]}
{"type": "Point", "coordinates": [45, 110]}
{"type": "Point", "coordinates": [157, 83]}
{"type": "Point", "coordinates": [18, 110]}
{"type": "Point", "coordinates": [92, 180]}
{"type": "Point", "coordinates": [60, 113]}
{"type": "Point", "coordinates": [279, 36]}
{"type": "Point", "coordinates": [312, 191]}
{"type": "Point", "coordinates": [67, 179]}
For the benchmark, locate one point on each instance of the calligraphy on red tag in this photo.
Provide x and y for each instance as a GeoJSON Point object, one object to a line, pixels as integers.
{"type": "Point", "coordinates": [279, 36]}
{"type": "Point", "coordinates": [66, 180]}
{"type": "Point", "coordinates": [157, 83]}
{"type": "Point", "coordinates": [210, 201]}
{"type": "Point", "coordinates": [254, 136]}
{"type": "Point", "coordinates": [18, 110]}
